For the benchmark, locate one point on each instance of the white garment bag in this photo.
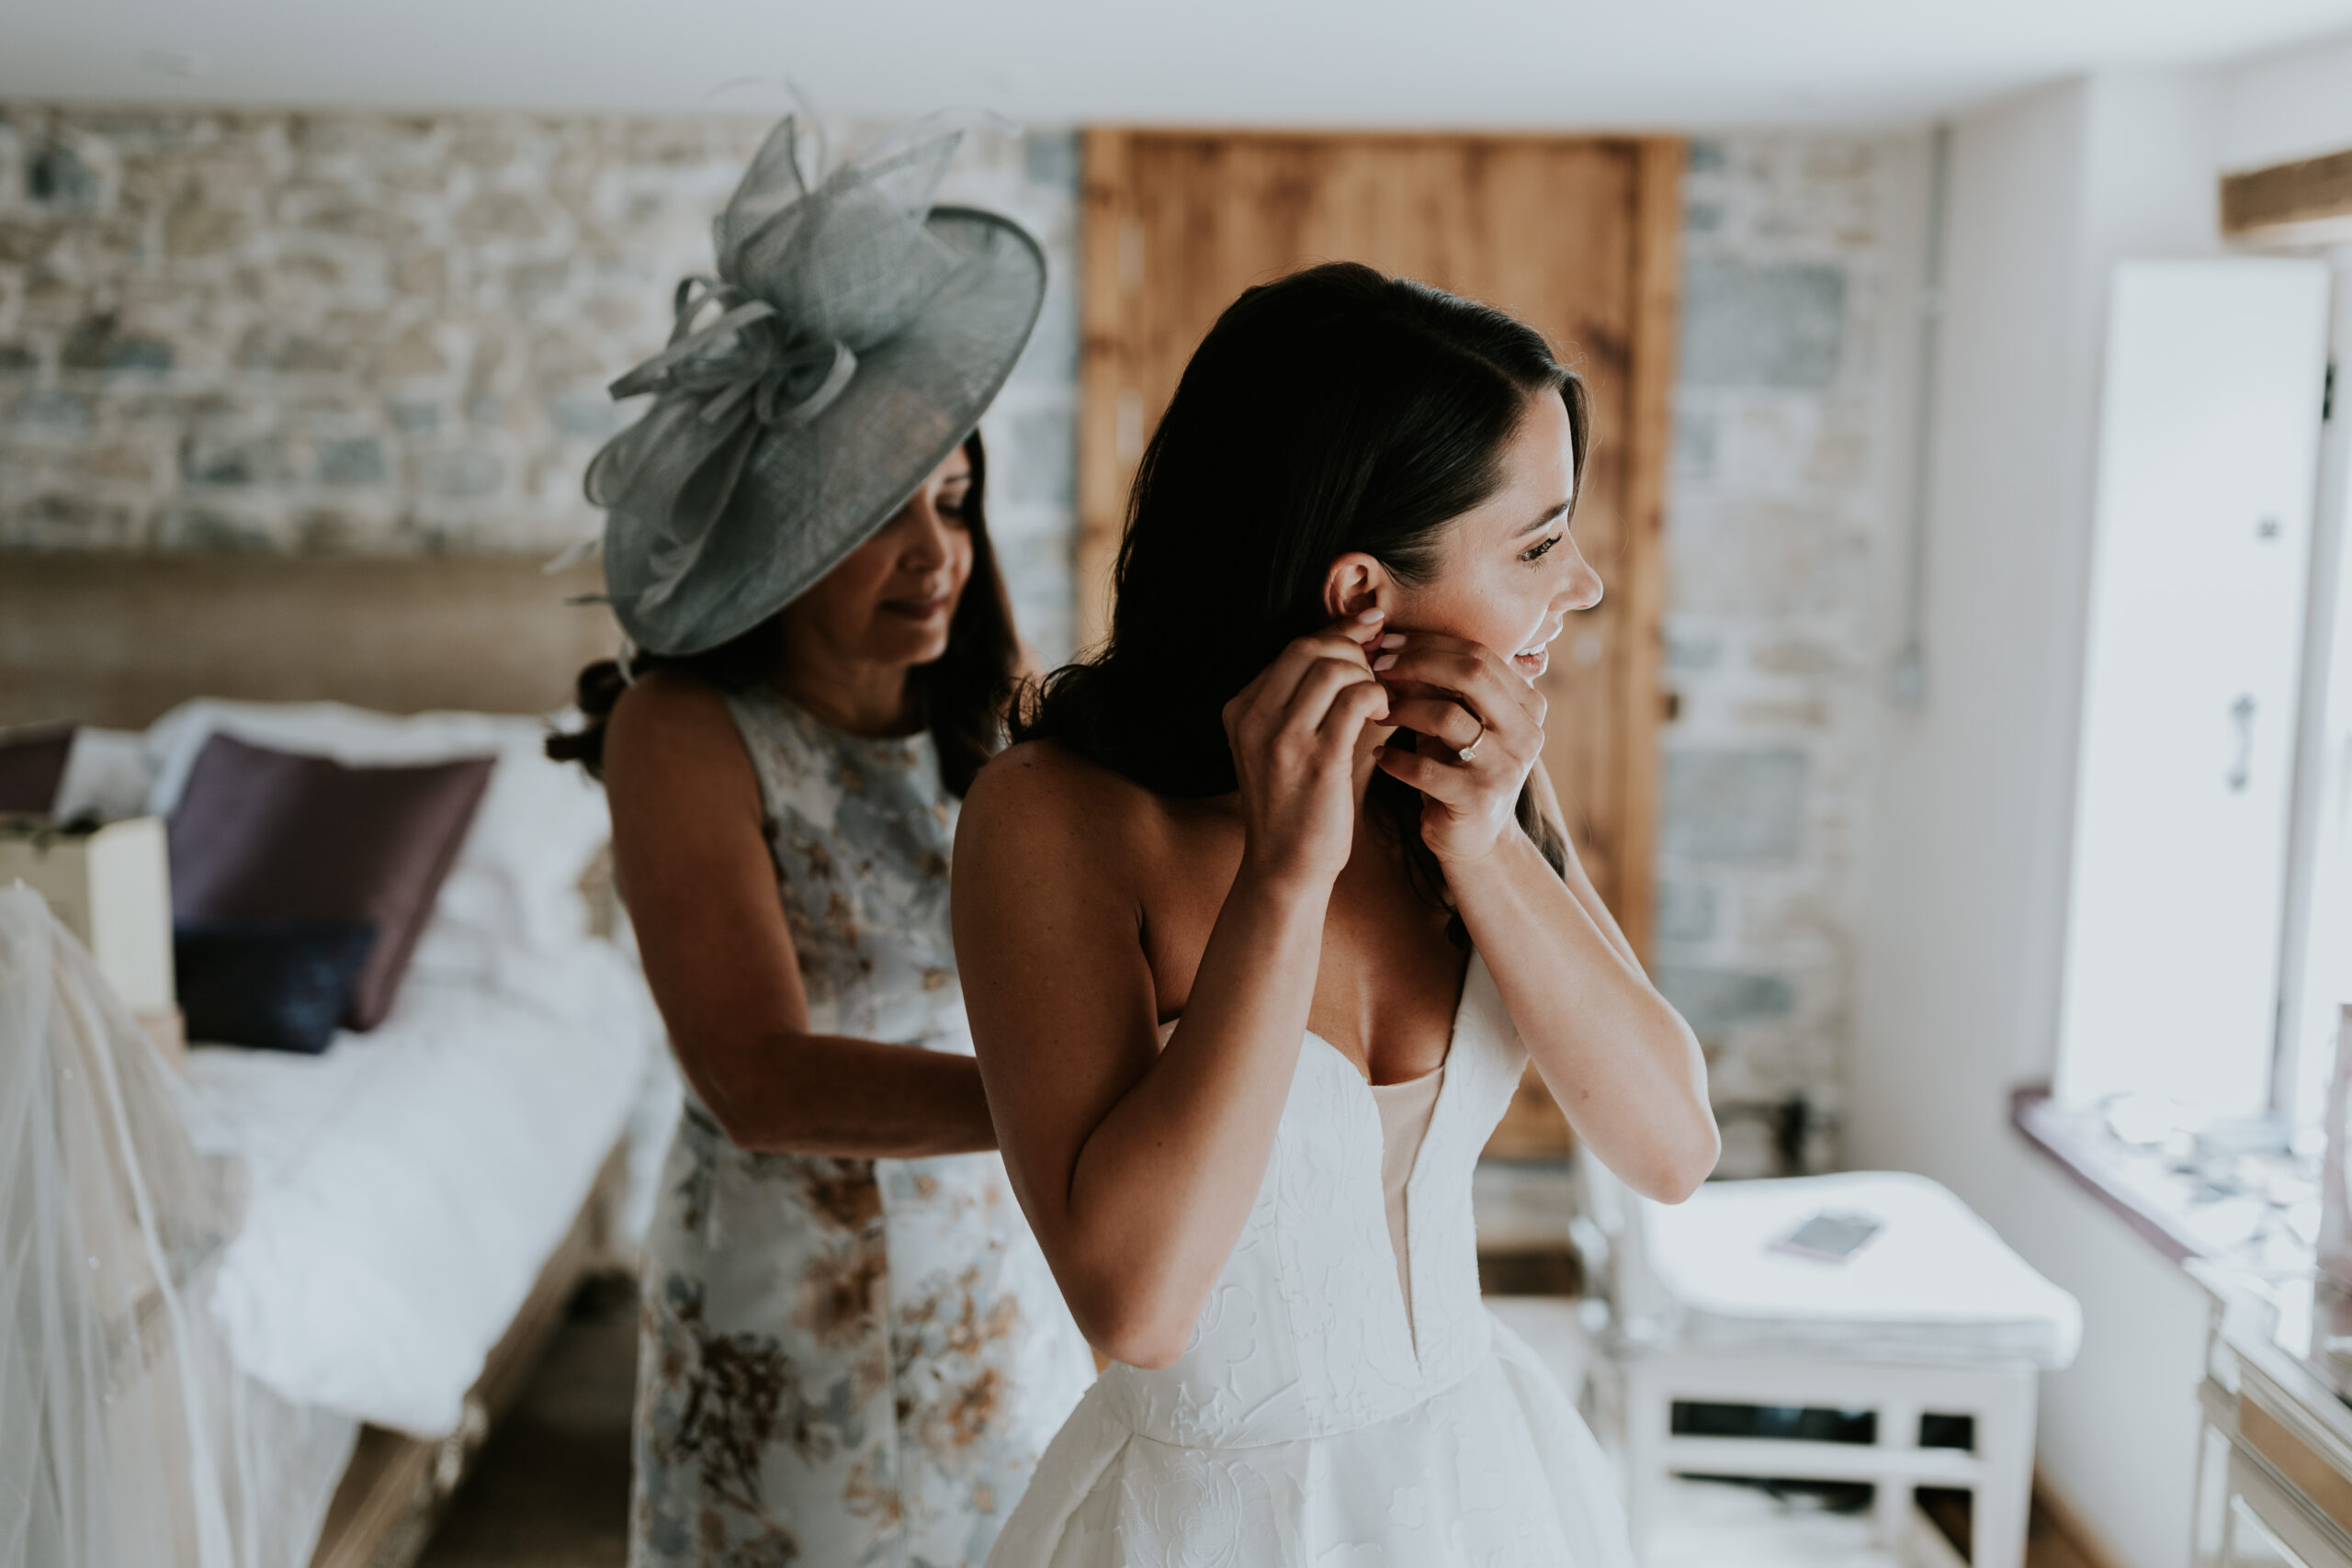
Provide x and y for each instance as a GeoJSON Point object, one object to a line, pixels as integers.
{"type": "Point", "coordinates": [128, 1439]}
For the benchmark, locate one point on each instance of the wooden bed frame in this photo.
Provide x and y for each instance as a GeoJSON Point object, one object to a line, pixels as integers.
{"type": "Point", "coordinates": [396, 1487]}
{"type": "Point", "coordinates": [115, 640]}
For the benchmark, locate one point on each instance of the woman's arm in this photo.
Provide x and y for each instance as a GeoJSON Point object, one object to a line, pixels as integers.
{"type": "Point", "coordinates": [692, 860]}
{"type": "Point", "coordinates": [1588, 897]}
{"type": "Point", "coordinates": [1137, 1165]}
{"type": "Point", "coordinates": [1620, 1060]}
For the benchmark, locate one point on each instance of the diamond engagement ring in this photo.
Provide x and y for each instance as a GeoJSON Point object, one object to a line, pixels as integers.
{"type": "Point", "coordinates": [1470, 754]}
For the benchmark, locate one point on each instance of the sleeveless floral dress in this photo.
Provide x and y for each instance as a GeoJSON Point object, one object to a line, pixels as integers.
{"type": "Point", "coordinates": [843, 1362]}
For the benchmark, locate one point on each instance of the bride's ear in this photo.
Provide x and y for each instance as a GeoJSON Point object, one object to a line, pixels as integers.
{"type": "Point", "coordinates": [1357, 582]}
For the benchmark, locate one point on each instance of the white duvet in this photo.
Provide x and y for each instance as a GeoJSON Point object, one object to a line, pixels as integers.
{"type": "Point", "coordinates": [407, 1186]}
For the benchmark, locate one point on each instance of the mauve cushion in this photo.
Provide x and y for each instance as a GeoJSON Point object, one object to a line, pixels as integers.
{"type": "Point", "coordinates": [278, 984]}
{"type": "Point", "coordinates": [262, 835]}
{"type": "Point", "coordinates": [31, 763]}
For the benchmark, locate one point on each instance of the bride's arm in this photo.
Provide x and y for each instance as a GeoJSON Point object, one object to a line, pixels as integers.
{"type": "Point", "coordinates": [692, 860]}
{"type": "Point", "coordinates": [1137, 1165]}
{"type": "Point", "coordinates": [1588, 897]}
{"type": "Point", "coordinates": [1620, 1060]}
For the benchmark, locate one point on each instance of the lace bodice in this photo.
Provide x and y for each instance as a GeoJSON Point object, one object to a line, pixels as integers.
{"type": "Point", "coordinates": [1305, 1423]}
{"type": "Point", "coordinates": [1306, 1331]}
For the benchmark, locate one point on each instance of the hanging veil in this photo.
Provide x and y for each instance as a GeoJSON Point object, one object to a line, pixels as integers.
{"type": "Point", "coordinates": [127, 1438]}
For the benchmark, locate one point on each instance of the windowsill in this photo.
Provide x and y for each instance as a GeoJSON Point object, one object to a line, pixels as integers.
{"type": "Point", "coordinates": [2084, 1151]}
{"type": "Point", "coordinates": [2248, 1212]}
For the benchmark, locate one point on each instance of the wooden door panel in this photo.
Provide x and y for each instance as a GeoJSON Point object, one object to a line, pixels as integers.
{"type": "Point", "coordinates": [1575, 236]}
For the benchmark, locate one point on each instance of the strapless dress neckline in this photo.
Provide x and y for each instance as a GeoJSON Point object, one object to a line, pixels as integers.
{"type": "Point", "coordinates": [1307, 1421]}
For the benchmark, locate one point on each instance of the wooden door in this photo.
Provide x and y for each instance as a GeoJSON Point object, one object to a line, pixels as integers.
{"type": "Point", "coordinates": [1577, 236]}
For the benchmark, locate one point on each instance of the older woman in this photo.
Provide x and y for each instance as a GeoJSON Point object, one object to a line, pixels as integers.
{"type": "Point", "coordinates": [853, 1350]}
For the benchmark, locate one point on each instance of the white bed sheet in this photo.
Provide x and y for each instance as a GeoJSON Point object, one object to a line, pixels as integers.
{"type": "Point", "coordinates": [406, 1186]}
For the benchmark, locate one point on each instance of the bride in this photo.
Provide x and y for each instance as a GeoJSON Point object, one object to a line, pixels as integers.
{"type": "Point", "coordinates": [1258, 923]}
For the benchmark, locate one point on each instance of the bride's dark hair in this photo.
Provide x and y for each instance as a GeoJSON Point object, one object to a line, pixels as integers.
{"type": "Point", "coordinates": [1336, 410]}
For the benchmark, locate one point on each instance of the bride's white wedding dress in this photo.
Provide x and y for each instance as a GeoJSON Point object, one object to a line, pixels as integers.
{"type": "Point", "coordinates": [1310, 1421]}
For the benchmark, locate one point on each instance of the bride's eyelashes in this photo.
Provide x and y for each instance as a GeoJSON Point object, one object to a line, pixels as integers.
{"type": "Point", "coordinates": [1537, 552]}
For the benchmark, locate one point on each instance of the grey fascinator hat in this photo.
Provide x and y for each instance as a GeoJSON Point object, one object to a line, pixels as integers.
{"type": "Point", "coordinates": [850, 342]}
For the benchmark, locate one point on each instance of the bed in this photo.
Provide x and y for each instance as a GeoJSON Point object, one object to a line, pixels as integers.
{"type": "Point", "coordinates": [419, 1202]}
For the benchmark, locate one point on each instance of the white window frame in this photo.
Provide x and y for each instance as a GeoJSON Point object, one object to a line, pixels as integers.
{"type": "Point", "coordinates": [2318, 916]}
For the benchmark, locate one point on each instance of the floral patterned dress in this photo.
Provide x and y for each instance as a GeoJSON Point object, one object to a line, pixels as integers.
{"type": "Point", "coordinates": [846, 1361]}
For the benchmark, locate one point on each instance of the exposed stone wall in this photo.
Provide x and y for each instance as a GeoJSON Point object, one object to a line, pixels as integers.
{"type": "Point", "coordinates": [380, 335]}
{"type": "Point", "coordinates": [385, 335]}
{"type": "Point", "coordinates": [1780, 515]}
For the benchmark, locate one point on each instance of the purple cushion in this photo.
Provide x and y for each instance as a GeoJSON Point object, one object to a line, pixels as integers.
{"type": "Point", "coordinates": [262, 835]}
{"type": "Point", "coordinates": [32, 762]}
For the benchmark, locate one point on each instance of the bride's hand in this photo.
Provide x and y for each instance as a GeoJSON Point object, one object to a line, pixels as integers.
{"type": "Point", "coordinates": [1294, 732]}
{"type": "Point", "coordinates": [1462, 698]}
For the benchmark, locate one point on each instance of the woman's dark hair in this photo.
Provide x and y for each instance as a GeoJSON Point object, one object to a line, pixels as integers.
{"type": "Point", "coordinates": [1336, 410]}
{"type": "Point", "coordinates": [964, 691]}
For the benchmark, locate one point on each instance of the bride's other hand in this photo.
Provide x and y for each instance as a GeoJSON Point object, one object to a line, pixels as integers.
{"type": "Point", "coordinates": [1621, 1062]}
{"type": "Point", "coordinates": [1294, 732]}
{"type": "Point", "coordinates": [1483, 730]}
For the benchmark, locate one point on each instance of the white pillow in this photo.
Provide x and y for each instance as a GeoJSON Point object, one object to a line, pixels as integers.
{"type": "Point", "coordinates": [107, 775]}
{"type": "Point", "coordinates": [517, 878]}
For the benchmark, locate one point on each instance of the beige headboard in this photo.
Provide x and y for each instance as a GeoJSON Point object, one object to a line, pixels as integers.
{"type": "Point", "coordinates": [115, 640]}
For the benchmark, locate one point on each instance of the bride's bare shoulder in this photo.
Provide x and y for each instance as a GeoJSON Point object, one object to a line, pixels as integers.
{"type": "Point", "coordinates": [1044, 799]}
{"type": "Point", "coordinates": [1044, 781]}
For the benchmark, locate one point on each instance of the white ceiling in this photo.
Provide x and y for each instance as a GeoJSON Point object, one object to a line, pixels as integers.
{"type": "Point", "coordinates": [1688, 64]}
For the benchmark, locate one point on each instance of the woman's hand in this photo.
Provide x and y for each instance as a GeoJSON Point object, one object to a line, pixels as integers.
{"type": "Point", "coordinates": [1622, 1063]}
{"type": "Point", "coordinates": [1294, 732]}
{"type": "Point", "coordinates": [1483, 729]}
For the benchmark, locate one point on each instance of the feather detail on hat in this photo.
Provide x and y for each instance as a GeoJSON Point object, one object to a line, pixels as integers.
{"type": "Point", "coordinates": [852, 337]}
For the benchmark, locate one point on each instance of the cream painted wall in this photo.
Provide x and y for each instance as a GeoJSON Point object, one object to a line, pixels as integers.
{"type": "Point", "coordinates": [2286, 105]}
{"type": "Point", "coordinates": [1966, 895]}
{"type": "Point", "coordinates": [1972, 813]}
